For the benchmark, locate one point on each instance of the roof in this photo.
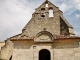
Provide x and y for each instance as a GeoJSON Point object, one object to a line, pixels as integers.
{"type": "Point", "coordinates": [55, 37]}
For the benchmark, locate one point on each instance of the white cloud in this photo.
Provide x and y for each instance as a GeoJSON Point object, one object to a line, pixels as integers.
{"type": "Point", "coordinates": [78, 15]}
{"type": "Point", "coordinates": [76, 1]}
{"type": "Point", "coordinates": [77, 4]}
{"type": "Point", "coordinates": [66, 6]}
{"type": "Point", "coordinates": [63, 7]}
{"type": "Point", "coordinates": [14, 15]}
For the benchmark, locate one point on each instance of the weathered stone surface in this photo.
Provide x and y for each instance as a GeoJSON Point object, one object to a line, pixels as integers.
{"type": "Point", "coordinates": [6, 50]}
{"type": "Point", "coordinates": [56, 54]}
{"type": "Point", "coordinates": [43, 33]}
{"type": "Point", "coordinates": [67, 54]}
{"type": "Point", "coordinates": [2, 44]}
{"type": "Point", "coordinates": [56, 25]}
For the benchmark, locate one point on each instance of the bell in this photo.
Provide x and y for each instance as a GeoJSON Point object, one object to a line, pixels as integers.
{"type": "Point", "coordinates": [42, 15]}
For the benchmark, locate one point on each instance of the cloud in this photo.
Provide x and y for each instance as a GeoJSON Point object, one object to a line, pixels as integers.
{"type": "Point", "coordinates": [76, 1]}
{"type": "Point", "coordinates": [77, 4]}
{"type": "Point", "coordinates": [14, 15]}
{"type": "Point", "coordinates": [63, 7]}
{"type": "Point", "coordinates": [78, 15]}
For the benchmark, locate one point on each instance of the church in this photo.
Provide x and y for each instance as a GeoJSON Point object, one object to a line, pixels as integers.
{"type": "Point", "coordinates": [44, 37]}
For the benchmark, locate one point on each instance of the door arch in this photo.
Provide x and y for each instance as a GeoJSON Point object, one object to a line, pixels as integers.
{"type": "Point", "coordinates": [44, 54]}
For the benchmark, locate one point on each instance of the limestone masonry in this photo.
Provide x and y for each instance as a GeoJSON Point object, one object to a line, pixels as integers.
{"type": "Point", "coordinates": [45, 37]}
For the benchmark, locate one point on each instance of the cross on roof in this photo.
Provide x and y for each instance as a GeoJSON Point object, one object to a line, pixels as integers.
{"type": "Point", "coordinates": [46, 0]}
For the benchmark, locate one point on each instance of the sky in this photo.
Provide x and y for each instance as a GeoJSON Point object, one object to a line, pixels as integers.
{"type": "Point", "coordinates": [15, 14]}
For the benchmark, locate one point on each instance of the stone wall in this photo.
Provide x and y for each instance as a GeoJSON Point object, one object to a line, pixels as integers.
{"type": "Point", "coordinates": [30, 54]}
{"type": "Point", "coordinates": [35, 26]}
{"type": "Point", "coordinates": [67, 54]}
{"type": "Point", "coordinates": [2, 44]}
{"type": "Point", "coordinates": [6, 50]}
{"type": "Point", "coordinates": [66, 43]}
{"type": "Point", "coordinates": [64, 49]}
{"type": "Point", "coordinates": [56, 54]}
{"type": "Point", "coordinates": [22, 54]}
{"type": "Point", "coordinates": [63, 28]}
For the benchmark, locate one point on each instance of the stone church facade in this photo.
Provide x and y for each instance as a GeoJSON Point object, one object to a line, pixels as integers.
{"type": "Point", "coordinates": [43, 38]}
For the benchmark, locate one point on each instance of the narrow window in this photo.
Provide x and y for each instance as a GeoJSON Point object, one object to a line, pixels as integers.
{"type": "Point", "coordinates": [46, 5]}
{"type": "Point", "coordinates": [51, 13]}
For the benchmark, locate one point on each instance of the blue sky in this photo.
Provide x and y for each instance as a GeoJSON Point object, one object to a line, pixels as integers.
{"type": "Point", "coordinates": [15, 14]}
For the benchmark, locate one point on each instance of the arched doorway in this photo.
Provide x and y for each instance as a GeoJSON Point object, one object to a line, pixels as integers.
{"type": "Point", "coordinates": [44, 54]}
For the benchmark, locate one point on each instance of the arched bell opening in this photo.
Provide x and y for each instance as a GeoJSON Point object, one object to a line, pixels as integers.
{"type": "Point", "coordinates": [42, 12]}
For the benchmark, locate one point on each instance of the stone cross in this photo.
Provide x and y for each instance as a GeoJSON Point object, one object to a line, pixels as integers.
{"type": "Point", "coordinates": [46, 0]}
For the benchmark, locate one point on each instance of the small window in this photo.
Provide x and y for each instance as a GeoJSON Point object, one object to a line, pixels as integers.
{"type": "Point", "coordinates": [34, 47]}
{"type": "Point", "coordinates": [46, 5]}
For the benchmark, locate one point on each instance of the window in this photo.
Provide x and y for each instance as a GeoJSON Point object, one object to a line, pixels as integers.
{"type": "Point", "coordinates": [51, 13]}
{"type": "Point", "coordinates": [34, 47]}
{"type": "Point", "coordinates": [46, 5]}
